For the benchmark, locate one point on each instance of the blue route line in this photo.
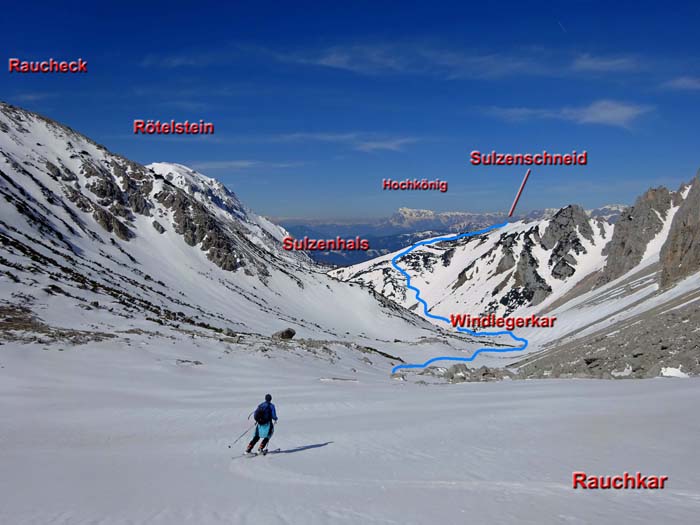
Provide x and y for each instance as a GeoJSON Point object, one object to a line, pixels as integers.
{"type": "Point", "coordinates": [395, 264]}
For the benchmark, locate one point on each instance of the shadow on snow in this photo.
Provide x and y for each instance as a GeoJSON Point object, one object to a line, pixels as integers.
{"type": "Point", "coordinates": [302, 448]}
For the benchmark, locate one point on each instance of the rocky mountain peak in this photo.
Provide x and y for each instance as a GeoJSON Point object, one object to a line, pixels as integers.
{"type": "Point", "coordinates": [635, 228]}
{"type": "Point", "coordinates": [204, 188]}
{"type": "Point", "coordinates": [408, 217]}
{"type": "Point", "coordinates": [117, 243]}
{"type": "Point", "coordinates": [609, 212]}
{"type": "Point", "coordinates": [70, 170]}
{"type": "Point", "coordinates": [563, 237]}
{"type": "Point", "coordinates": [566, 222]}
{"type": "Point", "coordinates": [680, 254]}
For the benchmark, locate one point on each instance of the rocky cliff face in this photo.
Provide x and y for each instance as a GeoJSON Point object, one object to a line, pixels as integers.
{"type": "Point", "coordinates": [515, 267]}
{"type": "Point", "coordinates": [563, 236]}
{"type": "Point", "coordinates": [91, 239]}
{"type": "Point", "coordinates": [680, 254]}
{"type": "Point", "coordinates": [634, 230]}
{"type": "Point", "coordinates": [412, 220]}
{"type": "Point", "coordinates": [115, 191]}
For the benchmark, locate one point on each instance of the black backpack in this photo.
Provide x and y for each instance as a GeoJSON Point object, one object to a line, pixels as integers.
{"type": "Point", "coordinates": [263, 414]}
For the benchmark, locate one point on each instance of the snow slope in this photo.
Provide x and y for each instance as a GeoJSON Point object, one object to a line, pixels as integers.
{"type": "Point", "coordinates": [632, 293]}
{"type": "Point", "coordinates": [91, 239]}
{"type": "Point", "coordinates": [473, 275]}
{"type": "Point", "coordinates": [552, 266]}
{"type": "Point", "coordinates": [119, 432]}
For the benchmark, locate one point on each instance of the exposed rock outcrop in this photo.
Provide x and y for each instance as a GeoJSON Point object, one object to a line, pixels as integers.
{"type": "Point", "coordinates": [647, 345]}
{"type": "Point", "coordinates": [110, 223]}
{"type": "Point", "coordinates": [562, 236]}
{"type": "Point", "coordinates": [636, 227]}
{"type": "Point", "coordinates": [680, 254]}
{"type": "Point", "coordinates": [461, 373]}
{"type": "Point", "coordinates": [115, 191]}
{"type": "Point", "coordinates": [530, 286]}
{"type": "Point", "coordinates": [287, 333]}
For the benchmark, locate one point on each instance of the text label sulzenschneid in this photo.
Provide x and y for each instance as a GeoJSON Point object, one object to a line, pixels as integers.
{"type": "Point", "coordinates": [528, 159]}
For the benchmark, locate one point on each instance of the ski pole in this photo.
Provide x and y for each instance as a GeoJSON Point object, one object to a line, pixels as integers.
{"type": "Point", "coordinates": [244, 433]}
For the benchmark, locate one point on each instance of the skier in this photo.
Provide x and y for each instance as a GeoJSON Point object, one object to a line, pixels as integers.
{"type": "Point", "coordinates": [264, 416]}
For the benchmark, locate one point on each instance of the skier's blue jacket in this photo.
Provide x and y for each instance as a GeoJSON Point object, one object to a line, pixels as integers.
{"type": "Point", "coordinates": [272, 409]}
{"type": "Point", "coordinates": [264, 431]}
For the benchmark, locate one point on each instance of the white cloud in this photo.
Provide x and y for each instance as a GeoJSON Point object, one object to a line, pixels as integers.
{"type": "Point", "coordinates": [236, 165]}
{"type": "Point", "coordinates": [409, 58]}
{"type": "Point", "coordinates": [359, 59]}
{"type": "Point", "coordinates": [430, 60]}
{"type": "Point", "coordinates": [519, 113]}
{"type": "Point", "coordinates": [418, 59]}
{"type": "Point", "coordinates": [387, 145]}
{"type": "Point", "coordinates": [415, 58]}
{"type": "Point", "coordinates": [320, 137]}
{"type": "Point", "coordinates": [608, 112]}
{"type": "Point", "coordinates": [193, 59]}
{"type": "Point", "coordinates": [33, 97]}
{"type": "Point", "coordinates": [185, 104]}
{"type": "Point", "coordinates": [604, 112]}
{"type": "Point", "coordinates": [592, 63]}
{"type": "Point", "coordinates": [683, 83]}
{"type": "Point", "coordinates": [360, 141]}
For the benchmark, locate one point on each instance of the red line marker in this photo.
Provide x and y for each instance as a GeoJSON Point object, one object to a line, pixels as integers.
{"type": "Point", "coordinates": [520, 191]}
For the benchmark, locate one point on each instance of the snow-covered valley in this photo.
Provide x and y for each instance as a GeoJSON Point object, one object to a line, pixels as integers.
{"type": "Point", "coordinates": [115, 433]}
{"type": "Point", "coordinates": [594, 277]}
{"type": "Point", "coordinates": [143, 316]}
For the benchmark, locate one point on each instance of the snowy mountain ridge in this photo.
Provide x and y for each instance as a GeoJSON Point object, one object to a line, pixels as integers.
{"type": "Point", "coordinates": [93, 245]}
{"type": "Point", "coordinates": [457, 221]}
{"type": "Point", "coordinates": [409, 225]}
{"type": "Point", "coordinates": [589, 273]}
{"type": "Point", "coordinates": [521, 264]}
{"type": "Point", "coordinates": [91, 242]}
{"type": "Point", "coordinates": [223, 203]}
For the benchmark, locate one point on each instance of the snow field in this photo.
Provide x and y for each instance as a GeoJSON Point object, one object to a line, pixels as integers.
{"type": "Point", "coordinates": [112, 434]}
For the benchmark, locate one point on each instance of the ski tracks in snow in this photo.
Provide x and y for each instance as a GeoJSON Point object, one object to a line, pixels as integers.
{"type": "Point", "coordinates": [426, 308]}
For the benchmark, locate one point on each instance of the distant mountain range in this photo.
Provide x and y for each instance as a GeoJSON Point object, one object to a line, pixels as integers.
{"type": "Point", "coordinates": [91, 241]}
{"type": "Point", "coordinates": [620, 291]}
{"type": "Point", "coordinates": [95, 246]}
{"type": "Point", "coordinates": [408, 226]}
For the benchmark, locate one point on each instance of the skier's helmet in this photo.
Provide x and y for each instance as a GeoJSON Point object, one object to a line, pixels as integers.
{"type": "Point", "coordinates": [268, 397]}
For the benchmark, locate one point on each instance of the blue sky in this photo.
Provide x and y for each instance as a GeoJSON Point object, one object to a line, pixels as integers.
{"type": "Point", "coordinates": [314, 104]}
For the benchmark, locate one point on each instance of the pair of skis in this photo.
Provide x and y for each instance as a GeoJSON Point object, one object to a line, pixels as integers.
{"type": "Point", "coordinates": [255, 454]}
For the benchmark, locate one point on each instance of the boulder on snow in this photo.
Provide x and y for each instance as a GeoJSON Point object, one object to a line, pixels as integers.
{"type": "Point", "coordinates": [287, 333]}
